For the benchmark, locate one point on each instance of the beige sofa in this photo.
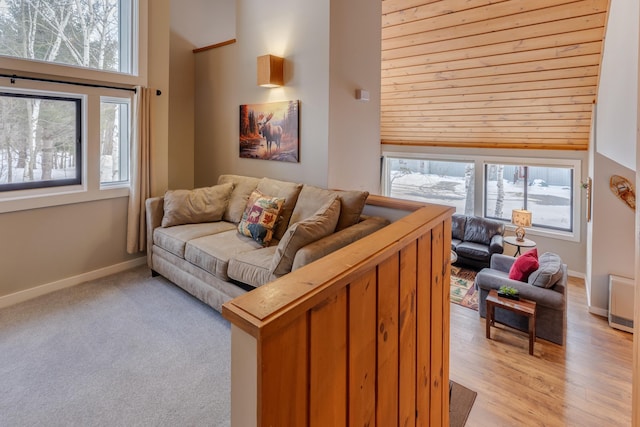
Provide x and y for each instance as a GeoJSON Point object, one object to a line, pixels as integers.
{"type": "Point", "coordinates": [194, 238]}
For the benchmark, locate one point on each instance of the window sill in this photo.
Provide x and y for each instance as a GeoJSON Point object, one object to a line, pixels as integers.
{"type": "Point", "coordinates": [551, 234]}
{"type": "Point", "coordinates": [27, 201]}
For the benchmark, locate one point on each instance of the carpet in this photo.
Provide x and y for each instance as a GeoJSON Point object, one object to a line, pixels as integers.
{"type": "Point", "coordinates": [125, 350]}
{"type": "Point", "coordinates": [462, 290]}
{"type": "Point", "coordinates": [460, 402]}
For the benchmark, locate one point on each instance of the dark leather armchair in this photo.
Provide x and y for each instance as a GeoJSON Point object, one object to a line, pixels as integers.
{"type": "Point", "coordinates": [475, 239]}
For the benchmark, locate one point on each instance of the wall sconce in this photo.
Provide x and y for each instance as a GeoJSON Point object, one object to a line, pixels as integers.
{"type": "Point", "coordinates": [521, 218]}
{"type": "Point", "coordinates": [270, 72]}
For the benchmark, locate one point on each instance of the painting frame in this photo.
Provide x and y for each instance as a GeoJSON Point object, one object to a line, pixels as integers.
{"type": "Point", "coordinates": [270, 131]}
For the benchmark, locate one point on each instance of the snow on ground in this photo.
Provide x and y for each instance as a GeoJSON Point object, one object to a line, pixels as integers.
{"type": "Point", "coordinates": [550, 205]}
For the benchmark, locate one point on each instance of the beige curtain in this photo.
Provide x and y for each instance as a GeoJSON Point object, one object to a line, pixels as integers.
{"type": "Point", "coordinates": [142, 138]}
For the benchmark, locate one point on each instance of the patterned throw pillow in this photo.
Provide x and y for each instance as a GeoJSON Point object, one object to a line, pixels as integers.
{"type": "Point", "coordinates": [260, 217]}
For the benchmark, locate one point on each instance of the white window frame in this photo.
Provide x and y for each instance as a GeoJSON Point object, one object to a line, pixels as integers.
{"type": "Point", "coordinates": [479, 169]}
{"type": "Point", "coordinates": [90, 189]}
{"type": "Point", "coordinates": [138, 56]}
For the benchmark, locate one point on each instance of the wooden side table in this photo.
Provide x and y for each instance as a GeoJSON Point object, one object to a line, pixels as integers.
{"type": "Point", "coordinates": [523, 307]}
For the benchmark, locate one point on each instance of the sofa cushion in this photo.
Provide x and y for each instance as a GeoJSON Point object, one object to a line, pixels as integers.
{"type": "Point", "coordinates": [260, 217]}
{"type": "Point", "coordinates": [351, 206]}
{"type": "Point", "coordinates": [253, 267]}
{"type": "Point", "coordinates": [302, 233]}
{"type": "Point", "coordinates": [473, 250]}
{"type": "Point", "coordinates": [524, 265]}
{"type": "Point", "coordinates": [309, 201]}
{"type": "Point", "coordinates": [243, 186]}
{"type": "Point", "coordinates": [174, 239]}
{"type": "Point", "coordinates": [287, 190]}
{"type": "Point", "coordinates": [457, 226]}
{"type": "Point", "coordinates": [549, 272]}
{"type": "Point", "coordinates": [212, 253]}
{"type": "Point", "coordinates": [205, 204]}
{"type": "Point", "coordinates": [481, 230]}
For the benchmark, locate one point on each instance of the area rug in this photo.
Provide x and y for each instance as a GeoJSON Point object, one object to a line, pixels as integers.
{"type": "Point", "coordinates": [462, 290]}
{"type": "Point", "coordinates": [460, 402]}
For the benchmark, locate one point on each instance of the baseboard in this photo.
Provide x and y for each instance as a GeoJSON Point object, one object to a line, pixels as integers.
{"type": "Point", "coordinates": [599, 311]}
{"type": "Point", "coordinates": [47, 288]}
{"type": "Point", "coordinates": [577, 274]}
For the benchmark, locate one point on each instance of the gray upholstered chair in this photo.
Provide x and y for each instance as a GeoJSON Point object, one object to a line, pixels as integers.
{"type": "Point", "coordinates": [547, 286]}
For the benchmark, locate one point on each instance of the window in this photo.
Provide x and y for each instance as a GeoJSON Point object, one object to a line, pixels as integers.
{"type": "Point", "coordinates": [434, 181]}
{"type": "Point", "coordinates": [492, 186]}
{"type": "Point", "coordinates": [546, 191]}
{"type": "Point", "coordinates": [39, 141]}
{"type": "Point", "coordinates": [114, 140]}
{"type": "Point", "coordinates": [67, 143]}
{"type": "Point", "coordinates": [93, 34]}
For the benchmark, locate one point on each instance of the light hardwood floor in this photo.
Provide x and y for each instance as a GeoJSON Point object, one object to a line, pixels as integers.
{"type": "Point", "coordinates": [585, 383]}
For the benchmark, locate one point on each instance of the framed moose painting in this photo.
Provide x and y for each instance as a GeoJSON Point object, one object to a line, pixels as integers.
{"type": "Point", "coordinates": [270, 131]}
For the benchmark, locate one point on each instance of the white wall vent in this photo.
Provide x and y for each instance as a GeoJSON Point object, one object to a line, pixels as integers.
{"type": "Point", "coordinates": [621, 295]}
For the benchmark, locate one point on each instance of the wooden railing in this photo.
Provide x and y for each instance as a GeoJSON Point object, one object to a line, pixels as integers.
{"type": "Point", "coordinates": [359, 337]}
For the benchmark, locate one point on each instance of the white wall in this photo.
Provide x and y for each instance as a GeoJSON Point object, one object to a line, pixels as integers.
{"type": "Point", "coordinates": [354, 131]}
{"type": "Point", "coordinates": [333, 127]}
{"type": "Point", "coordinates": [613, 152]}
{"type": "Point", "coordinates": [204, 22]}
{"type": "Point", "coordinates": [618, 87]}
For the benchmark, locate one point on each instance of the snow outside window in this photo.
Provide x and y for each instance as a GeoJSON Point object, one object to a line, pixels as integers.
{"type": "Point", "coordinates": [443, 182]}
{"type": "Point", "coordinates": [40, 141]}
{"type": "Point", "coordinates": [544, 190]}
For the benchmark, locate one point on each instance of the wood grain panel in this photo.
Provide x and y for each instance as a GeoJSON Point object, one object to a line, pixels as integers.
{"type": "Point", "coordinates": [463, 58]}
{"type": "Point", "coordinates": [282, 377]}
{"type": "Point", "coordinates": [328, 360]}
{"type": "Point", "coordinates": [362, 350]}
{"type": "Point", "coordinates": [351, 339]}
{"type": "Point", "coordinates": [438, 376]}
{"type": "Point", "coordinates": [571, 31]}
{"type": "Point", "coordinates": [388, 351]}
{"type": "Point", "coordinates": [408, 330]}
{"type": "Point", "coordinates": [423, 329]}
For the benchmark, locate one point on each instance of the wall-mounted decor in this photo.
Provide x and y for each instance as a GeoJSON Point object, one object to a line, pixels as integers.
{"type": "Point", "coordinates": [622, 187]}
{"type": "Point", "coordinates": [270, 131]}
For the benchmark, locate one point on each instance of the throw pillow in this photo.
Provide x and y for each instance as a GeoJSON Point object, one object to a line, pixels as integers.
{"type": "Point", "coordinates": [352, 204]}
{"type": "Point", "coordinates": [549, 272]}
{"type": "Point", "coordinates": [302, 233]}
{"type": "Point", "coordinates": [260, 217]}
{"type": "Point", "coordinates": [524, 265]}
{"type": "Point", "coordinates": [194, 206]}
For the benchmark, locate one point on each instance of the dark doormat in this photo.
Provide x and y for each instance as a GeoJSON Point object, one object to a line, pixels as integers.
{"type": "Point", "coordinates": [460, 402]}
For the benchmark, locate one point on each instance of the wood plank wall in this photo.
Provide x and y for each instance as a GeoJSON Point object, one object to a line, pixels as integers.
{"type": "Point", "coordinates": [490, 73]}
{"type": "Point", "coordinates": [359, 337]}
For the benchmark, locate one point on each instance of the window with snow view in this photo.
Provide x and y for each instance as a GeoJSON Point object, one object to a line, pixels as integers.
{"type": "Point", "coordinates": [83, 33]}
{"type": "Point", "coordinates": [434, 181]}
{"type": "Point", "coordinates": [545, 191]}
{"type": "Point", "coordinates": [114, 140]}
{"type": "Point", "coordinates": [40, 142]}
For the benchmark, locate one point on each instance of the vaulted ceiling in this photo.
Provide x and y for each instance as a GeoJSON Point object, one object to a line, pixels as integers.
{"type": "Point", "coordinates": [490, 73]}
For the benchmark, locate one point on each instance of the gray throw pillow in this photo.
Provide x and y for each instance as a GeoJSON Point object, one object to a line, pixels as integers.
{"type": "Point", "coordinates": [549, 272]}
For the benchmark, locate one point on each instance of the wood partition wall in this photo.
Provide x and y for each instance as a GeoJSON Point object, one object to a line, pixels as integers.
{"type": "Point", "coordinates": [359, 337]}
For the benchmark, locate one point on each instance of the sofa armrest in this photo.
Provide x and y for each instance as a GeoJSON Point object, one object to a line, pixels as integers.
{"type": "Point", "coordinates": [488, 279]}
{"type": "Point", "coordinates": [497, 244]}
{"type": "Point", "coordinates": [502, 262]}
{"type": "Point", "coordinates": [154, 211]}
{"type": "Point", "coordinates": [337, 240]}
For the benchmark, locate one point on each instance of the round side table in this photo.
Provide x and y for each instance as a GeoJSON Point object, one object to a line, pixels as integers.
{"type": "Point", "coordinates": [526, 243]}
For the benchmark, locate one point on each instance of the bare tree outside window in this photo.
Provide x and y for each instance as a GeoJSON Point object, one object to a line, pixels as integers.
{"type": "Point", "coordinates": [39, 137]}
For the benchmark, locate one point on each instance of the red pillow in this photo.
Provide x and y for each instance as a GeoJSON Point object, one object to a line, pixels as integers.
{"type": "Point", "coordinates": [526, 264]}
